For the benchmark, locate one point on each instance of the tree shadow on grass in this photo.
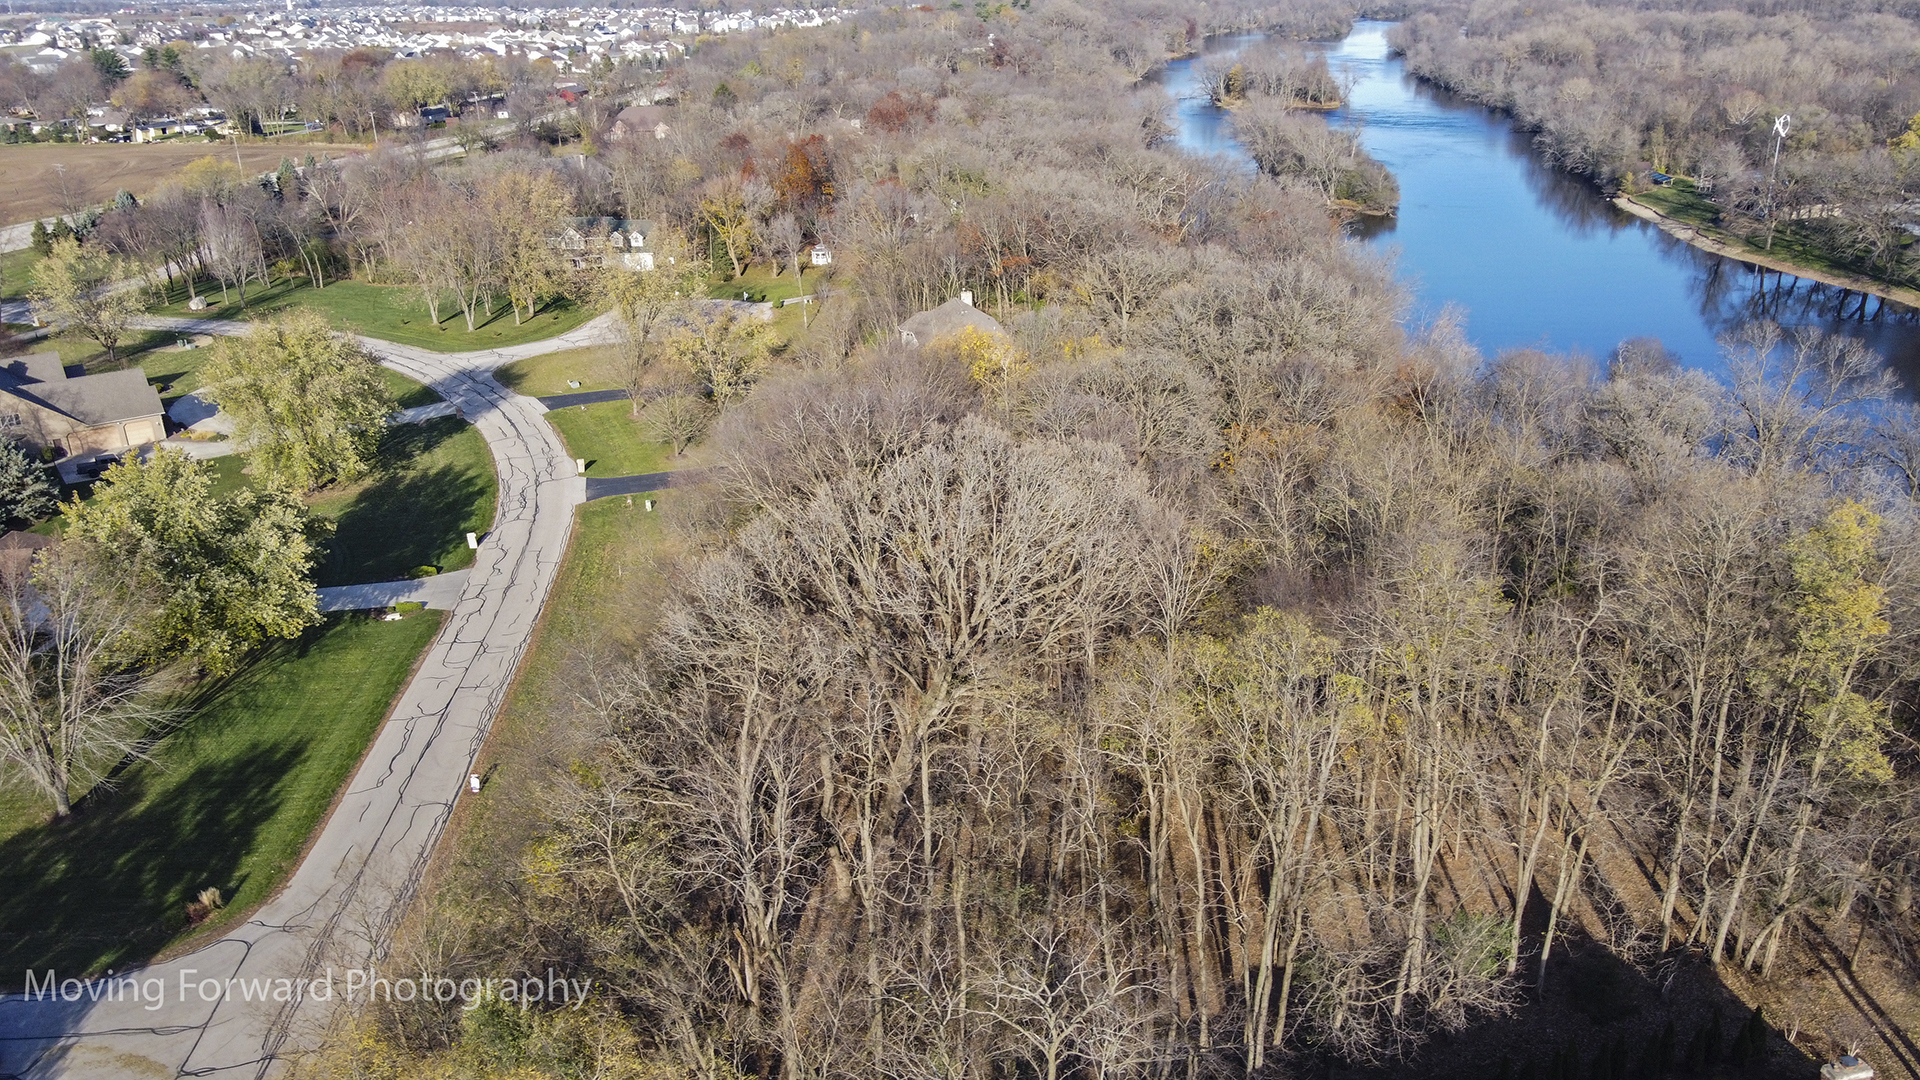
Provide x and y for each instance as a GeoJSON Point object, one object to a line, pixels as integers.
{"type": "Point", "coordinates": [110, 886]}
{"type": "Point", "coordinates": [405, 518]}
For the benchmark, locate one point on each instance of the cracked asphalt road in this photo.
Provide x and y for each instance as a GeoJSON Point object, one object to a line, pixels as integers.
{"type": "Point", "coordinates": [366, 859]}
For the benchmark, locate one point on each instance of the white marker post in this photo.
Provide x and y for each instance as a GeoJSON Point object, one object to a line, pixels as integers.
{"type": "Point", "coordinates": [580, 465]}
{"type": "Point", "coordinates": [473, 541]}
{"type": "Point", "coordinates": [473, 783]}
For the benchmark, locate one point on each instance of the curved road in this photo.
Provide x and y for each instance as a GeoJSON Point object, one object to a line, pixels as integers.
{"type": "Point", "coordinates": [341, 901]}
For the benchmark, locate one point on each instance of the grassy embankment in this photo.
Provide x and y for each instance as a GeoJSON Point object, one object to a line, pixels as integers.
{"type": "Point", "coordinates": [227, 801]}
{"type": "Point", "coordinates": [388, 312]}
{"type": "Point", "coordinates": [1692, 217]}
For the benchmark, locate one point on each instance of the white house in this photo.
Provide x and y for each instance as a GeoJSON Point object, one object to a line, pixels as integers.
{"type": "Point", "coordinates": [820, 255]}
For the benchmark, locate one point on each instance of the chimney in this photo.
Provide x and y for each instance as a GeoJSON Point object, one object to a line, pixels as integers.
{"type": "Point", "coordinates": [966, 297]}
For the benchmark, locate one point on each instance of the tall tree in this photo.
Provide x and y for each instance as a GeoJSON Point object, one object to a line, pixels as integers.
{"type": "Point", "coordinates": [233, 571]}
{"type": "Point", "coordinates": [74, 700]}
{"type": "Point", "coordinates": [309, 404]}
{"type": "Point", "coordinates": [88, 290]}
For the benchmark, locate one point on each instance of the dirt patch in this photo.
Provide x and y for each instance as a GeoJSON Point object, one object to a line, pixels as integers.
{"type": "Point", "coordinates": [106, 168]}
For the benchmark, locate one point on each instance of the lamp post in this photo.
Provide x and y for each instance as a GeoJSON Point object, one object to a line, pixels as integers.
{"type": "Point", "coordinates": [1782, 124]}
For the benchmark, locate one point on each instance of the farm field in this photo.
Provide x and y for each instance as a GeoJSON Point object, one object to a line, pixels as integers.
{"type": "Point", "coordinates": [105, 168]}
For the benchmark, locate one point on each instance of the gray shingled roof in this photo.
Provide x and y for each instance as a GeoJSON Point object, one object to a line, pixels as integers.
{"type": "Point", "coordinates": [106, 398]}
{"type": "Point", "coordinates": [949, 318]}
{"type": "Point", "coordinates": [40, 367]}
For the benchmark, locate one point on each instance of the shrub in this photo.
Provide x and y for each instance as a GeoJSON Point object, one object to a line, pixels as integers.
{"type": "Point", "coordinates": [408, 606]}
{"type": "Point", "coordinates": [423, 571]}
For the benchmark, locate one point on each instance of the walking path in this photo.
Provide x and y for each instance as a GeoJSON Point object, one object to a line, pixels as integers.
{"type": "Point", "coordinates": [441, 592]}
{"type": "Point", "coordinates": [340, 903]}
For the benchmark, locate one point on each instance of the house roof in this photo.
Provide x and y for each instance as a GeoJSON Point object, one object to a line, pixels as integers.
{"type": "Point", "coordinates": [93, 400]}
{"type": "Point", "coordinates": [641, 116]}
{"type": "Point", "coordinates": [949, 318]}
{"type": "Point", "coordinates": [17, 550]}
{"type": "Point", "coordinates": [37, 367]}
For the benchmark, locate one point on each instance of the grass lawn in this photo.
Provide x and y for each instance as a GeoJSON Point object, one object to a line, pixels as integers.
{"type": "Point", "coordinates": [228, 801]}
{"type": "Point", "coordinates": [435, 484]}
{"type": "Point", "coordinates": [16, 269]}
{"type": "Point", "coordinates": [597, 367]}
{"type": "Point", "coordinates": [760, 282]}
{"type": "Point", "coordinates": [389, 312]}
{"type": "Point", "coordinates": [609, 438]}
{"type": "Point", "coordinates": [1791, 246]}
{"type": "Point", "coordinates": [137, 349]}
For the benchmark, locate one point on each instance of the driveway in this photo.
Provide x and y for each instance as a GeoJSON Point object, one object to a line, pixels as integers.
{"type": "Point", "coordinates": [367, 858]}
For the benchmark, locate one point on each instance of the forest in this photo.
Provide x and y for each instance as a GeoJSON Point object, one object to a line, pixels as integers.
{"type": "Point", "coordinates": [1211, 673]}
{"type": "Point", "coordinates": [1617, 90]}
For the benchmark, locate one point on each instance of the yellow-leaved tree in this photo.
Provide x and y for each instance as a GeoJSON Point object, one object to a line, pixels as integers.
{"type": "Point", "coordinates": [1840, 624]}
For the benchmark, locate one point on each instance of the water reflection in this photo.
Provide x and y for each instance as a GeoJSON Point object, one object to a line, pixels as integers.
{"type": "Point", "coordinates": [1533, 255]}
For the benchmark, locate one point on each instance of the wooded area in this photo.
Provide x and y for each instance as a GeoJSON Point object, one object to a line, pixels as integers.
{"type": "Point", "coordinates": [1212, 677]}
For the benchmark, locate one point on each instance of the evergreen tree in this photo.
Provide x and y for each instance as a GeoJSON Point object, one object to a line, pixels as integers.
{"type": "Point", "coordinates": [26, 493]}
{"type": "Point", "coordinates": [41, 240]}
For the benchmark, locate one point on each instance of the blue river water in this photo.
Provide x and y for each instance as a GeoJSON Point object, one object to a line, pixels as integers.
{"type": "Point", "coordinates": [1533, 256]}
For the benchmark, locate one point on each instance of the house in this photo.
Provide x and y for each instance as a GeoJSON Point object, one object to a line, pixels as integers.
{"type": "Point", "coordinates": [947, 320]}
{"type": "Point", "coordinates": [81, 416]}
{"type": "Point", "coordinates": [640, 120]}
{"type": "Point", "coordinates": [155, 130]}
{"type": "Point", "coordinates": [820, 255]}
{"type": "Point", "coordinates": [434, 114]}
{"type": "Point", "coordinates": [605, 241]}
{"type": "Point", "coordinates": [17, 550]}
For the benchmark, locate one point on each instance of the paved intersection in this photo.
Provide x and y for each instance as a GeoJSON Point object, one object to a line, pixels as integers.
{"type": "Point", "coordinates": [368, 856]}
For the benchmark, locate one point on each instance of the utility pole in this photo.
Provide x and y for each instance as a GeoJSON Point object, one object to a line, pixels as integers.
{"type": "Point", "coordinates": [1782, 124]}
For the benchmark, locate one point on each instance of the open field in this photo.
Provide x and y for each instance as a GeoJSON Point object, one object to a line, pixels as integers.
{"type": "Point", "coordinates": [228, 801]}
{"type": "Point", "coordinates": [101, 169]}
{"type": "Point", "coordinates": [388, 312]}
{"type": "Point", "coordinates": [608, 436]}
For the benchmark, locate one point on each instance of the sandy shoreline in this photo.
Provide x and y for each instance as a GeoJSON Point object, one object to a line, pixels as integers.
{"type": "Point", "coordinates": [1680, 230]}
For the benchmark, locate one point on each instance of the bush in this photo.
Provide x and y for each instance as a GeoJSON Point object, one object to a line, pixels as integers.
{"type": "Point", "coordinates": [407, 607]}
{"type": "Point", "coordinates": [423, 571]}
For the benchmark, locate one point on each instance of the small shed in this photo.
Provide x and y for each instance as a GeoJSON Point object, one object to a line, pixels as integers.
{"type": "Point", "coordinates": [1659, 178]}
{"type": "Point", "coordinates": [820, 255]}
{"type": "Point", "coordinates": [1847, 1068]}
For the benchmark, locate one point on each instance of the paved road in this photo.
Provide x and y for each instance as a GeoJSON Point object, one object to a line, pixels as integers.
{"type": "Point", "coordinates": [603, 487]}
{"type": "Point", "coordinates": [364, 863]}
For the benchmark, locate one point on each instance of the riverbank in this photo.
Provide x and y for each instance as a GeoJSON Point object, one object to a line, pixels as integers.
{"type": "Point", "coordinates": [1709, 241]}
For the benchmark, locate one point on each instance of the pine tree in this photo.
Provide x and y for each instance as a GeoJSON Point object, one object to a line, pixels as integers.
{"type": "Point", "coordinates": [41, 240]}
{"type": "Point", "coordinates": [26, 494]}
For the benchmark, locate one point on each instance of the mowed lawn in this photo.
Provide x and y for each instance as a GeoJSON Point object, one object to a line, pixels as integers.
{"type": "Point", "coordinates": [596, 367]}
{"type": "Point", "coordinates": [608, 436]}
{"type": "Point", "coordinates": [389, 312]}
{"type": "Point", "coordinates": [435, 484]}
{"type": "Point", "coordinates": [227, 801]}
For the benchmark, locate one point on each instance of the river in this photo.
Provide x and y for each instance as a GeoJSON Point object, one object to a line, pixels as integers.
{"type": "Point", "coordinates": [1532, 255]}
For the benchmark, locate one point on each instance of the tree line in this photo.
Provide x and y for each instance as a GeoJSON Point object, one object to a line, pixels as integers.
{"type": "Point", "coordinates": [1616, 90]}
{"type": "Point", "coordinates": [1213, 674]}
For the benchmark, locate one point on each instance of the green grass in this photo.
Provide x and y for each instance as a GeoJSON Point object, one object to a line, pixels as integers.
{"type": "Point", "coordinates": [761, 283]}
{"type": "Point", "coordinates": [435, 484]}
{"type": "Point", "coordinates": [389, 312]}
{"type": "Point", "coordinates": [609, 438]}
{"type": "Point", "coordinates": [16, 269]}
{"type": "Point", "coordinates": [1792, 246]}
{"type": "Point", "coordinates": [137, 350]}
{"type": "Point", "coordinates": [597, 367]}
{"type": "Point", "coordinates": [228, 801]}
